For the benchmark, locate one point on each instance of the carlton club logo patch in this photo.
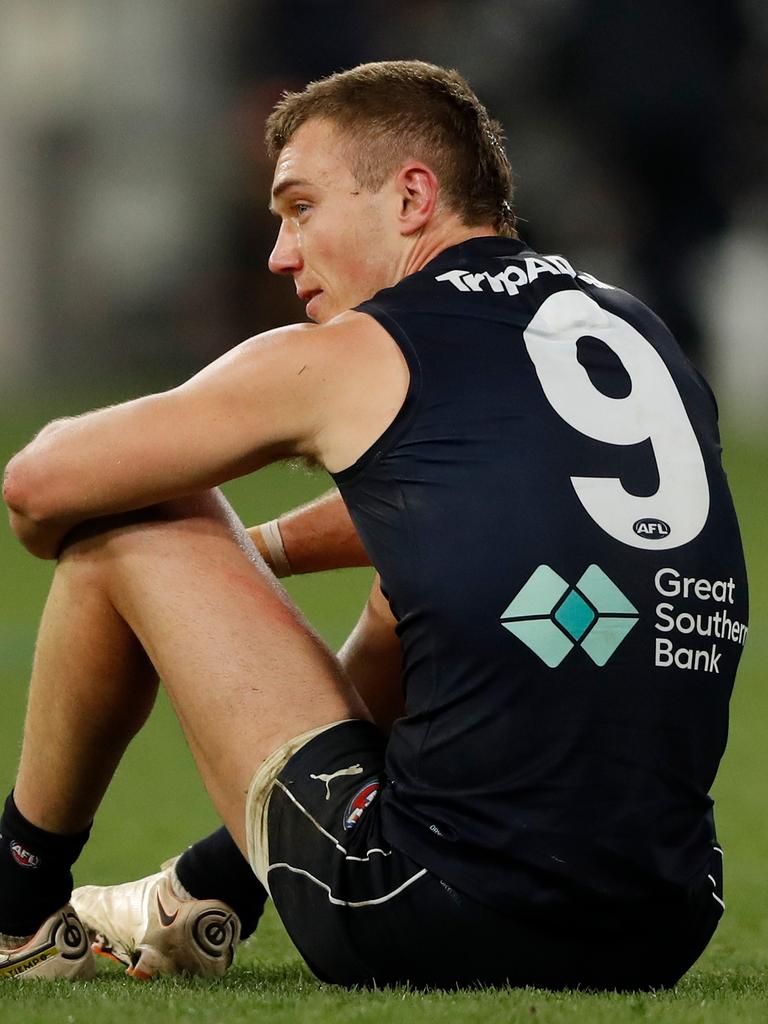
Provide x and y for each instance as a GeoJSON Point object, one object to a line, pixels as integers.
{"type": "Point", "coordinates": [23, 857]}
{"type": "Point", "coordinates": [362, 799]}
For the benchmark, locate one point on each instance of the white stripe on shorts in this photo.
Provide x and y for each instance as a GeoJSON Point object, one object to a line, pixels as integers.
{"type": "Point", "coordinates": [351, 903]}
{"type": "Point", "coordinates": [714, 886]}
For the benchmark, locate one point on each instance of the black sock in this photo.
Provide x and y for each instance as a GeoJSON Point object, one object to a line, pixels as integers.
{"type": "Point", "coordinates": [35, 875]}
{"type": "Point", "coordinates": [214, 869]}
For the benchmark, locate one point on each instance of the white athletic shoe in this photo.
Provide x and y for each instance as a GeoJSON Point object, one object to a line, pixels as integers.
{"type": "Point", "coordinates": [58, 949]}
{"type": "Point", "coordinates": [145, 926]}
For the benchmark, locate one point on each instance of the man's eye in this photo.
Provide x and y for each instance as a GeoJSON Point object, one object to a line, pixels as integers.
{"type": "Point", "coordinates": [301, 208]}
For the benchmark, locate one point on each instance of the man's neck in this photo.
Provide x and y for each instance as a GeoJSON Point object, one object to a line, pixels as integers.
{"type": "Point", "coordinates": [431, 242]}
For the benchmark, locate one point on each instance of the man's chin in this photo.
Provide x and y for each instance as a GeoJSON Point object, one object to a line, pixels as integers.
{"type": "Point", "coordinates": [317, 308]}
{"type": "Point", "coordinates": [322, 313]}
{"type": "Point", "coordinates": [320, 310]}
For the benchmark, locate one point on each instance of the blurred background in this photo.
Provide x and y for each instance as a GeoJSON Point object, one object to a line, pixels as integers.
{"type": "Point", "coordinates": [133, 183]}
{"type": "Point", "coordinates": [134, 233]}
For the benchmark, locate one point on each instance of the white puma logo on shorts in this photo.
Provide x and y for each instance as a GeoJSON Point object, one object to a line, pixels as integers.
{"type": "Point", "coordinates": [354, 769]}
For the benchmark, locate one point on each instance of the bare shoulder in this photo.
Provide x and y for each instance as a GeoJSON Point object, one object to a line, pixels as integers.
{"type": "Point", "coordinates": [333, 388]}
{"type": "Point", "coordinates": [364, 383]}
{"type": "Point", "coordinates": [322, 390]}
{"type": "Point", "coordinates": [349, 339]}
{"type": "Point", "coordinates": [350, 336]}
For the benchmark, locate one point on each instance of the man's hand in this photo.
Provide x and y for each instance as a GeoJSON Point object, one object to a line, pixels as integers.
{"type": "Point", "coordinates": [41, 540]}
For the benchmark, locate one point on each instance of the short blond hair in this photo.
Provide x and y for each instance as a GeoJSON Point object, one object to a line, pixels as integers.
{"type": "Point", "coordinates": [391, 111]}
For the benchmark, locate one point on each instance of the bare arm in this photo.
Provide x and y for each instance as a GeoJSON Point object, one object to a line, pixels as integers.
{"type": "Point", "coordinates": [326, 392]}
{"type": "Point", "coordinates": [260, 402]}
{"type": "Point", "coordinates": [372, 659]}
{"type": "Point", "coordinates": [316, 536]}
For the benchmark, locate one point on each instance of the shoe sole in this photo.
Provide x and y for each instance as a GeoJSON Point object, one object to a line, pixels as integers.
{"type": "Point", "coordinates": [64, 953]}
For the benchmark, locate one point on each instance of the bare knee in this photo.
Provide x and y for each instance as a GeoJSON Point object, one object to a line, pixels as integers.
{"type": "Point", "coordinates": [102, 540]}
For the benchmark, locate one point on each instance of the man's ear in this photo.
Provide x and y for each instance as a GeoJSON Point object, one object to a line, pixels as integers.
{"type": "Point", "coordinates": [418, 189]}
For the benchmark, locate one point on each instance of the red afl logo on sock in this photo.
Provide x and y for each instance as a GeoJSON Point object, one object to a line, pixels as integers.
{"type": "Point", "coordinates": [23, 857]}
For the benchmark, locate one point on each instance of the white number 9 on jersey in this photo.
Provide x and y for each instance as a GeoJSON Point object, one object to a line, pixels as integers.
{"type": "Point", "coordinates": [653, 411]}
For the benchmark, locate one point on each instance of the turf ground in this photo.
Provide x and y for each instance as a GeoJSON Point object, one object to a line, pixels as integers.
{"type": "Point", "coordinates": [156, 806]}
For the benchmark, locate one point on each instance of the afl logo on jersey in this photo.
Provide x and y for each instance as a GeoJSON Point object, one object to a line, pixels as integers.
{"type": "Point", "coordinates": [651, 529]}
{"type": "Point", "coordinates": [359, 802]}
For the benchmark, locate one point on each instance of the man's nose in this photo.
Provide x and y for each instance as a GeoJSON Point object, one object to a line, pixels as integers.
{"type": "Point", "coordinates": [285, 257]}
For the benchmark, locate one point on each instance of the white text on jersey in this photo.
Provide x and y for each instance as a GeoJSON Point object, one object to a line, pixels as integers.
{"type": "Point", "coordinates": [515, 276]}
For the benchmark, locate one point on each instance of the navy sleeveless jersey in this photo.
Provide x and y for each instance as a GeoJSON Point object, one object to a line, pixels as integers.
{"type": "Point", "coordinates": [557, 541]}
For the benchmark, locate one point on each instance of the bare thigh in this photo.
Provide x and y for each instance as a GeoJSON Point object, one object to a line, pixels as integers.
{"type": "Point", "coordinates": [243, 669]}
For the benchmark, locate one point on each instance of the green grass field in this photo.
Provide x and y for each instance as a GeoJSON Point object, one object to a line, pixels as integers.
{"type": "Point", "coordinates": [156, 806]}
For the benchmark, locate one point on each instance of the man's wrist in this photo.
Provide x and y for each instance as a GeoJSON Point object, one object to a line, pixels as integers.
{"type": "Point", "coordinates": [273, 541]}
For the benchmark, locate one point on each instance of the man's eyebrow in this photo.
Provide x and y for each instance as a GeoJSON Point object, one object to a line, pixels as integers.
{"type": "Point", "coordinates": [285, 184]}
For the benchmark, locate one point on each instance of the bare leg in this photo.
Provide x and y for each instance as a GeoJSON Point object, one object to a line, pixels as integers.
{"type": "Point", "coordinates": [371, 659]}
{"type": "Point", "coordinates": [184, 584]}
{"type": "Point", "coordinates": [91, 690]}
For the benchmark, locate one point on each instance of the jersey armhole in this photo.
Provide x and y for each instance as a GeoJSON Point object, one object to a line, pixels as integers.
{"type": "Point", "coordinates": [405, 413]}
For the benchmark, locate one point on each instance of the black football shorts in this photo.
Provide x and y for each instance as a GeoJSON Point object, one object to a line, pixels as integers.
{"type": "Point", "coordinates": [363, 913]}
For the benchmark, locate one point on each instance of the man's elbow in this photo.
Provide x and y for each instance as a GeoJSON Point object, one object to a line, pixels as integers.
{"type": "Point", "coordinates": [22, 492]}
{"type": "Point", "coordinates": [13, 485]}
{"type": "Point", "coordinates": [32, 527]}
{"type": "Point", "coordinates": [28, 486]}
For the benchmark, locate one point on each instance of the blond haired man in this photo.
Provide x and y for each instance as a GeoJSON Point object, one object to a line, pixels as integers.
{"type": "Point", "coordinates": [533, 469]}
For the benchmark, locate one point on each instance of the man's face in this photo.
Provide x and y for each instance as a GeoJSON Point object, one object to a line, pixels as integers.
{"type": "Point", "coordinates": [339, 242]}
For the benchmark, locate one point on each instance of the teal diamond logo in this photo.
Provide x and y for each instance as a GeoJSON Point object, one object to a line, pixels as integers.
{"type": "Point", "coordinates": [575, 615]}
{"type": "Point", "coordinates": [551, 617]}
